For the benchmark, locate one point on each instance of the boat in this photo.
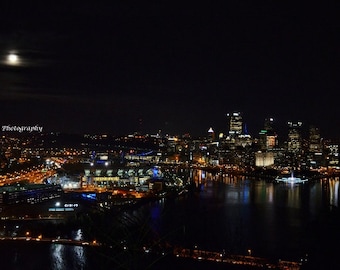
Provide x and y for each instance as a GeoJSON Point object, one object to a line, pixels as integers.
{"type": "Point", "coordinates": [291, 179]}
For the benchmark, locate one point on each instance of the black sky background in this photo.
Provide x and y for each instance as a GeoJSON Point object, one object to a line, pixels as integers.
{"type": "Point", "coordinates": [120, 67]}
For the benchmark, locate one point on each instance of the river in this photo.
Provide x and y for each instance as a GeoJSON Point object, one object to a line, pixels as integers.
{"type": "Point", "coordinates": [235, 215]}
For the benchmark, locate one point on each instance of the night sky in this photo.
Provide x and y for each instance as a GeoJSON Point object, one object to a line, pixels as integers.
{"type": "Point", "coordinates": [125, 66]}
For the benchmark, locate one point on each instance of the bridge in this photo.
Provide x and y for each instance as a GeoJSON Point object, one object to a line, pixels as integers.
{"type": "Point", "coordinates": [249, 261]}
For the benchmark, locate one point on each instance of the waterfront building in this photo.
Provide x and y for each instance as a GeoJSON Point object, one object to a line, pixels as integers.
{"type": "Point", "coordinates": [264, 159]}
{"type": "Point", "coordinates": [29, 193]}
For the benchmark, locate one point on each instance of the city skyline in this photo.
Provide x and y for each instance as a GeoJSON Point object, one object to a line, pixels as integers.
{"type": "Point", "coordinates": [124, 67]}
{"type": "Point", "coordinates": [269, 125]}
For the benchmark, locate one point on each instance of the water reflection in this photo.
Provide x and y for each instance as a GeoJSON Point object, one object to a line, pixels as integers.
{"type": "Point", "coordinates": [57, 257]}
{"type": "Point", "coordinates": [334, 191]}
{"type": "Point", "coordinates": [155, 221]}
{"type": "Point", "coordinates": [293, 197]}
{"type": "Point", "coordinates": [79, 256]}
{"type": "Point", "coordinates": [64, 257]}
{"type": "Point", "coordinates": [226, 213]}
{"type": "Point", "coordinates": [258, 211]}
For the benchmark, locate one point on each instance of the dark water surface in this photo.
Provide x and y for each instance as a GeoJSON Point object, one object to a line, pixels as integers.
{"type": "Point", "coordinates": [233, 215]}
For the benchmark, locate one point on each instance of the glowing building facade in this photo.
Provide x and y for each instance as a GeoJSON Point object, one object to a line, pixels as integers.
{"type": "Point", "coordinates": [264, 159]}
{"type": "Point", "coordinates": [314, 139]}
{"type": "Point", "coordinates": [235, 124]}
{"type": "Point", "coordinates": [294, 137]}
{"type": "Point", "coordinates": [267, 136]}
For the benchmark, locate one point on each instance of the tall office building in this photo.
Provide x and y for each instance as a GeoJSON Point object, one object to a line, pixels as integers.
{"type": "Point", "coordinates": [333, 154]}
{"type": "Point", "coordinates": [267, 136]}
{"type": "Point", "coordinates": [294, 136]}
{"type": "Point", "coordinates": [315, 155]}
{"type": "Point", "coordinates": [314, 139]}
{"type": "Point", "coordinates": [211, 134]}
{"type": "Point", "coordinates": [235, 124]}
{"type": "Point", "coordinates": [269, 124]}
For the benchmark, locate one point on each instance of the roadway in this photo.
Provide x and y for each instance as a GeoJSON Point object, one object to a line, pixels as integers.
{"type": "Point", "coordinates": [34, 175]}
{"type": "Point", "coordinates": [249, 261]}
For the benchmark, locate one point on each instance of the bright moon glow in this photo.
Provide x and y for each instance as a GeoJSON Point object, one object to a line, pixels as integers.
{"type": "Point", "coordinates": [12, 59]}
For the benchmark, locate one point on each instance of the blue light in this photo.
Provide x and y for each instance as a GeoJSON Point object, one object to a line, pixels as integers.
{"type": "Point", "coordinates": [145, 154]}
{"type": "Point", "coordinates": [89, 196]}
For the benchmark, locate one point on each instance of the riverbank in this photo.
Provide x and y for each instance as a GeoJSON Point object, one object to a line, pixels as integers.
{"type": "Point", "coordinates": [171, 254]}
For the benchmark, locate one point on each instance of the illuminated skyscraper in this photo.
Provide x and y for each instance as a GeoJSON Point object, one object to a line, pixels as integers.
{"type": "Point", "coordinates": [294, 136]}
{"type": "Point", "coordinates": [315, 154]}
{"type": "Point", "coordinates": [332, 148]}
{"type": "Point", "coordinates": [314, 139]}
{"type": "Point", "coordinates": [268, 124]}
{"type": "Point", "coordinates": [267, 136]}
{"type": "Point", "coordinates": [211, 134]}
{"type": "Point", "coordinates": [235, 124]}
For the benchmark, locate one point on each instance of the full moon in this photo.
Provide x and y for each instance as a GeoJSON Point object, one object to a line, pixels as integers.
{"type": "Point", "coordinates": [12, 59]}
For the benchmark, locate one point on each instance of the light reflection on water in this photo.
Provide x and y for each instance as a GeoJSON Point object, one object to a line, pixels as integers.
{"type": "Point", "coordinates": [65, 257]}
{"type": "Point", "coordinates": [334, 191]}
{"type": "Point", "coordinates": [79, 256]}
{"type": "Point", "coordinates": [57, 257]}
{"type": "Point", "coordinates": [275, 214]}
{"type": "Point", "coordinates": [225, 212]}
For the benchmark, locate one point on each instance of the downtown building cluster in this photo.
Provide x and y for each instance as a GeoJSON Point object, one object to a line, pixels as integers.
{"type": "Point", "coordinates": [298, 150]}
